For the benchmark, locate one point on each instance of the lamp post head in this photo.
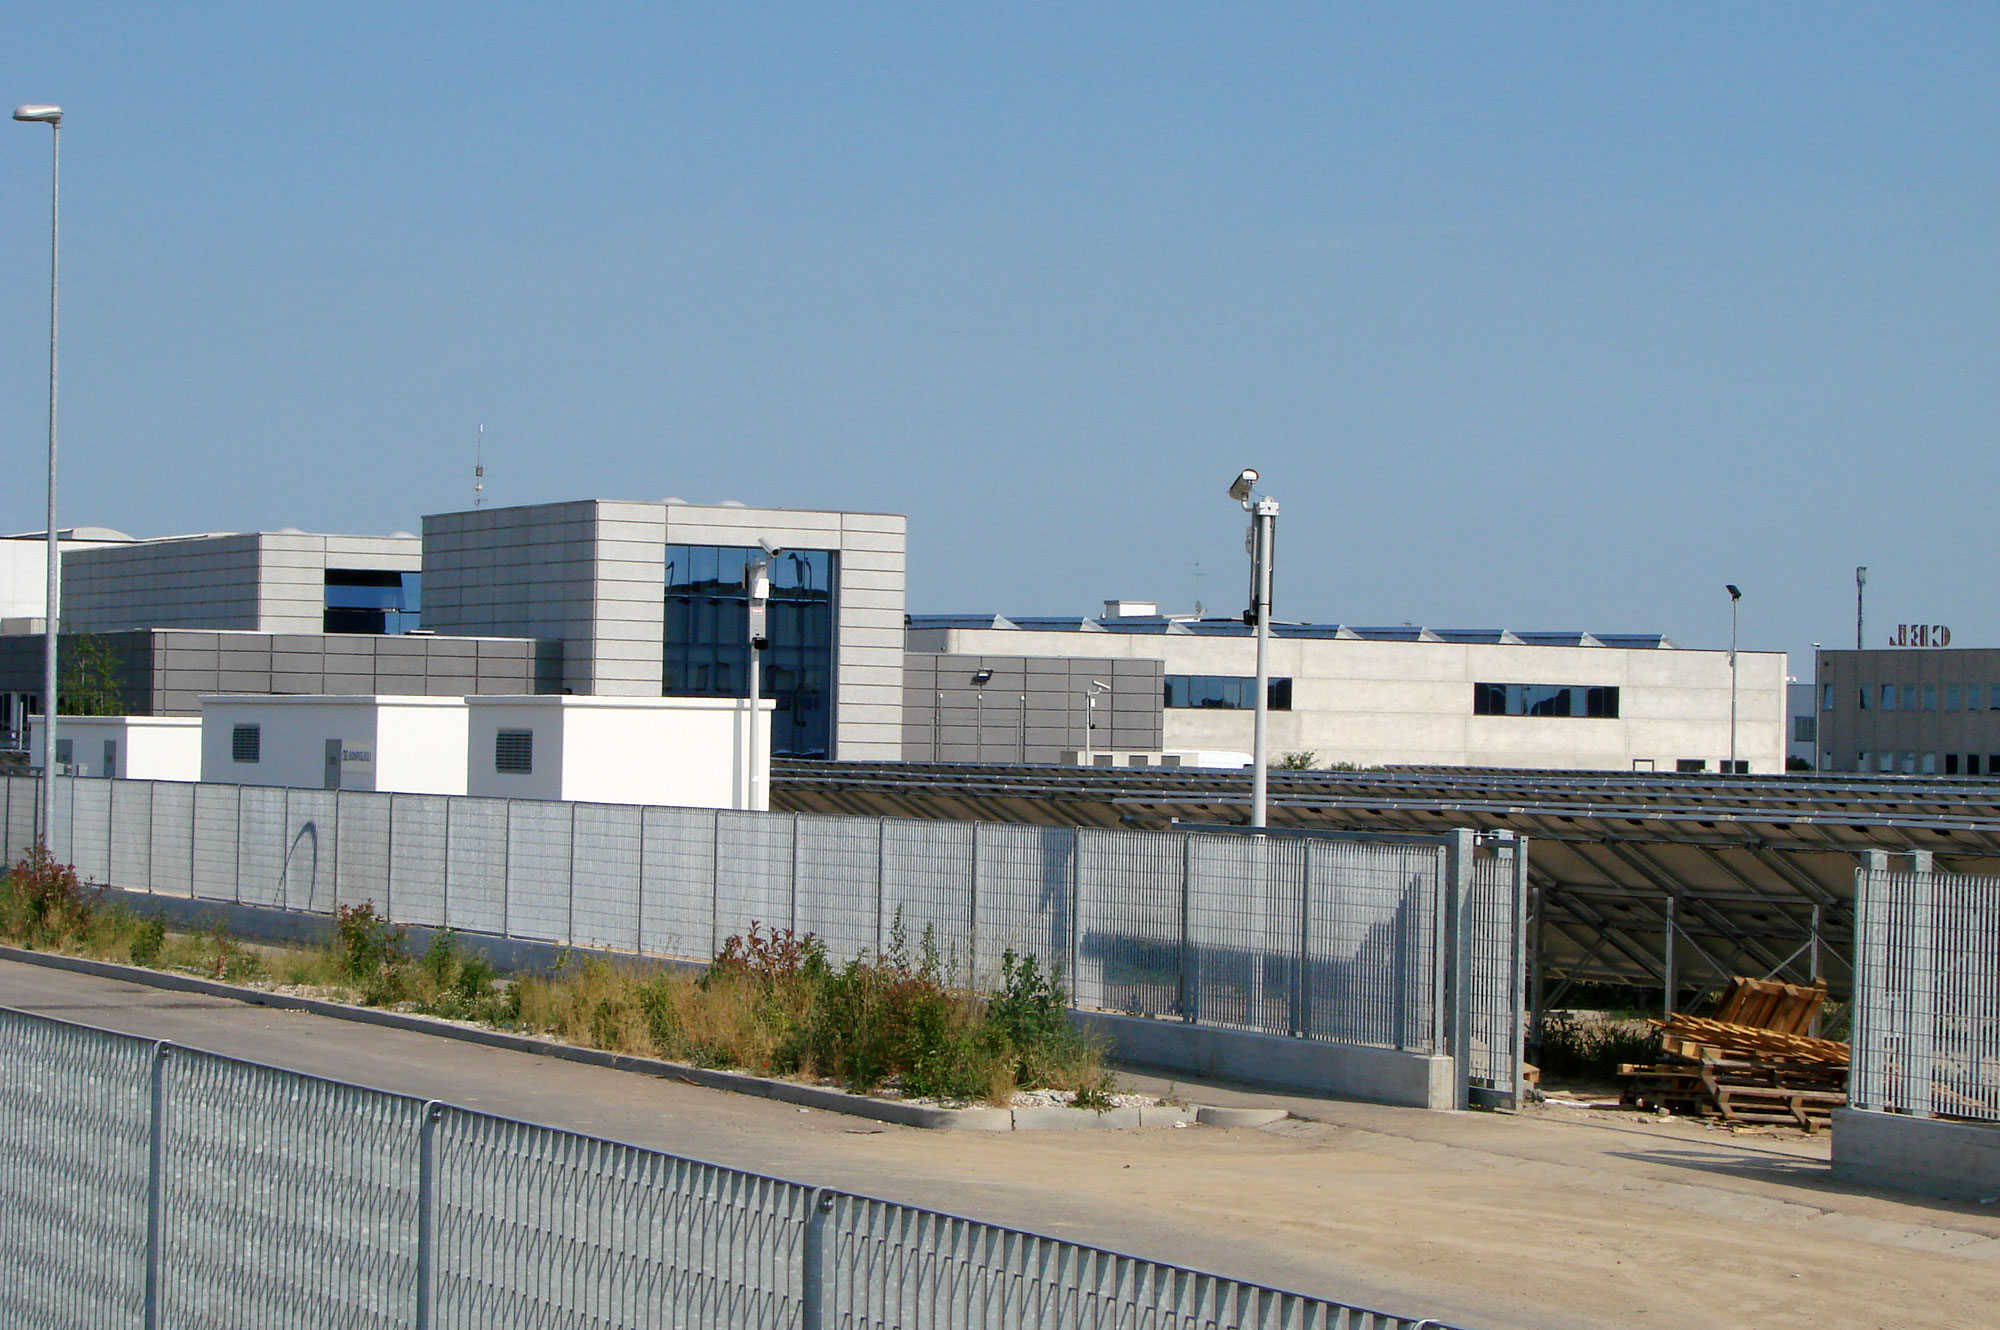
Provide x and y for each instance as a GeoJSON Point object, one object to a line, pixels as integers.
{"type": "Point", "coordinates": [982, 677]}
{"type": "Point", "coordinates": [39, 115]}
{"type": "Point", "coordinates": [1240, 488]}
{"type": "Point", "coordinates": [1734, 594]}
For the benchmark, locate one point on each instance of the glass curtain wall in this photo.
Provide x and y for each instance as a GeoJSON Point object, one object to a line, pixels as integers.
{"type": "Point", "coordinates": [707, 649]}
{"type": "Point", "coordinates": [372, 600]}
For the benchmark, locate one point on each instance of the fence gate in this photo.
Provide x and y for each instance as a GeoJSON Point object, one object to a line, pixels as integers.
{"type": "Point", "coordinates": [1490, 1014]}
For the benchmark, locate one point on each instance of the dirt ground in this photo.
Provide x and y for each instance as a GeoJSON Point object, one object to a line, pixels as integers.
{"type": "Point", "coordinates": [1553, 1217]}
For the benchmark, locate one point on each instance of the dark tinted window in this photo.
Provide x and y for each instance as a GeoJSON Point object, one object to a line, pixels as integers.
{"type": "Point", "coordinates": [372, 600]}
{"type": "Point", "coordinates": [1224, 692]}
{"type": "Point", "coordinates": [1544, 699]}
{"type": "Point", "coordinates": [707, 646]}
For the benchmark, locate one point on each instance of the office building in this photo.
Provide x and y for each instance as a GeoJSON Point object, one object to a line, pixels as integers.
{"type": "Point", "coordinates": [1361, 696]}
{"type": "Point", "coordinates": [1910, 711]}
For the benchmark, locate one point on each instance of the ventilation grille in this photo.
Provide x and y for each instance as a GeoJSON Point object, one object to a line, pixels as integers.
{"type": "Point", "coordinates": [246, 743]}
{"type": "Point", "coordinates": [514, 752]}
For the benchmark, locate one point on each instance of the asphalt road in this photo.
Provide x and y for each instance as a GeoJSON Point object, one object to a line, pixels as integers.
{"type": "Point", "coordinates": [1550, 1219]}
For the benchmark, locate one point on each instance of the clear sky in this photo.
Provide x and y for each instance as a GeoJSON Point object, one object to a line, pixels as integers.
{"type": "Point", "coordinates": [1533, 316]}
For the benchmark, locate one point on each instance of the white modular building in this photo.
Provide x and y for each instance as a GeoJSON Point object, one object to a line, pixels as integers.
{"type": "Point", "coordinates": [689, 752]}
{"type": "Point", "coordinates": [125, 747]}
{"type": "Point", "coordinates": [410, 745]}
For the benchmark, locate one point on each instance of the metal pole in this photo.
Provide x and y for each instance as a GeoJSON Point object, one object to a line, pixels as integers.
{"type": "Point", "coordinates": [1265, 531]}
{"type": "Point", "coordinates": [1024, 729]}
{"type": "Point", "coordinates": [1667, 963]}
{"type": "Point", "coordinates": [1860, 591]}
{"type": "Point", "coordinates": [426, 1209]}
{"type": "Point", "coordinates": [1733, 603]}
{"type": "Point", "coordinates": [979, 727]}
{"type": "Point", "coordinates": [156, 1133]}
{"type": "Point", "coordinates": [812, 1273]}
{"type": "Point", "coordinates": [750, 762]}
{"type": "Point", "coordinates": [52, 617]}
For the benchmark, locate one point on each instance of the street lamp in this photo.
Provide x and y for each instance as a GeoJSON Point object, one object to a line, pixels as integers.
{"type": "Point", "coordinates": [52, 612]}
{"type": "Point", "coordinates": [1096, 689]}
{"type": "Point", "coordinates": [1860, 601]}
{"type": "Point", "coordinates": [980, 679]}
{"type": "Point", "coordinates": [757, 582]}
{"type": "Point", "coordinates": [1735, 596]}
{"type": "Point", "coordinates": [1262, 538]}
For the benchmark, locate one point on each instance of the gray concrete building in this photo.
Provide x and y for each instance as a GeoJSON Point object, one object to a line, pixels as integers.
{"type": "Point", "coordinates": [1413, 696]}
{"type": "Point", "coordinates": [261, 581]}
{"type": "Point", "coordinates": [959, 708]}
{"type": "Point", "coordinates": [165, 671]}
{"type": "Point", "coordinates": [649, 599]}
{"type": "Point", "coordinates": [1910, 711]}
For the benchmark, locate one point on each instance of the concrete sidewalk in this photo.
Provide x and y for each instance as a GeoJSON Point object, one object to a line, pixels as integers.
{"type": "Point", "coordinates": [1550, 1218]}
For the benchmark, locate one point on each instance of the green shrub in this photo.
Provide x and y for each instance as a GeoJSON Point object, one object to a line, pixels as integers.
{"type": "Point", "coordinates": [148, 937]}
{"type": "Point", "coordinates": [43, 903]}
{"type": "Point", "coordinates": [368, 952]}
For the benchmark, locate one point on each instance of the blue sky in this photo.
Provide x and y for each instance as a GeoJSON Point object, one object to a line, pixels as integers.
{"type": "Point", "coordinates": [1533, 316]}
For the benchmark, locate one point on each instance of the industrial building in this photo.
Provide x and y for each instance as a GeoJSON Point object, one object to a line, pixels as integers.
{"type": "Point", "coordinates": [1356, 696]}
{"type": "Point", "coordinates": [1913, 711]}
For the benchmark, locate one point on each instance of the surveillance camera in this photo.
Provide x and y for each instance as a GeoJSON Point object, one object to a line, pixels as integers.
{"type": "Point", "coordinates": [773, 550]}
{"type": "Point", "coordinates": [1244, 483]}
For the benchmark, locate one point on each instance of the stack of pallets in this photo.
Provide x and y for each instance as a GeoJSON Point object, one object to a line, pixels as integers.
{"type": "Point", "coordinates": [1752, 1062]}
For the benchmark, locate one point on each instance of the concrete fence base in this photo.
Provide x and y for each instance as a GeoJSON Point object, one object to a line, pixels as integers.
{"type": "Point", "coordinates": [1957, 1161]}
{"type": "Point", "coordinates": [1349, 1071]}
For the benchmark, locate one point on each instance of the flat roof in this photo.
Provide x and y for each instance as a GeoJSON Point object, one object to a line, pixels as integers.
{"type": "Point", "coordinates": [1169, 625]}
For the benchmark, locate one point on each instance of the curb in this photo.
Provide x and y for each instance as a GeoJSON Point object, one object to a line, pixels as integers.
{"type": "Point", "coordinates": [790, 1092]}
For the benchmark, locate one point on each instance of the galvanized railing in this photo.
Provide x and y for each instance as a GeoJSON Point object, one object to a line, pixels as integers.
{"type": "Point", "coordinates": [147, 1185]}
{"type": "Point", "coordinates": [1409, 943]}
{"type": "Point", "coordinates": [1926, 1037]}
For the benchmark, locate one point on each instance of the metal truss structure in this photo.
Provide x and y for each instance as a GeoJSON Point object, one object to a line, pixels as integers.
{"type": "Point", "coordinates": [1668, 883]}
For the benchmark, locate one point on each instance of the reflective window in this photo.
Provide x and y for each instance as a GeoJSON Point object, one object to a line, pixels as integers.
{"type": "Point", "coordinates": [1805, 729]}
{"type": "Point", "coordinates": [1930, 764]}
{"type": "Point", "coordinates": [1954, 697]}
{"type": "Point", "coordinates": [372, 600]}
{"type": "Point", "coordinates": [707, 646]}
{"type": "Point", "coordinates": [1543, 699]}
{"type": "Point", "coordinates": [1930, 697]}
{"type": "Point", "coordinates": [1909, 764]}
{"type": "Point", "coordinates": [1224, 692]}
{"type": "Point", "coordinates": [1909, 697]}
{"type": "Point", "coordinates": [1826, 697]}
{"type": "Point", "coordinates": [1866, 689]}
{"type": "Point", "coordinates": [1886, 762]}
{"type": "Point", "coordinates": [1972, 698]}
{"type": "Point", "coordinates": [1888, 697]}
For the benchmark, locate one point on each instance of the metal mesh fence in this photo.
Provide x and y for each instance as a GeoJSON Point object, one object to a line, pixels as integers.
{"type": "Point", "coordinates": [1926, 1036]}
{"type": "Point", "coordinates": [153, 1185]}
{"type": "Point", "coordinates": [1345, 939]}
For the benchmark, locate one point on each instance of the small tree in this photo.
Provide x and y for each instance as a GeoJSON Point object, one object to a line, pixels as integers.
{"type": "Point", "coordinates": [1300, 761]}
{"type": "Point", "coordinates": [90, 685]}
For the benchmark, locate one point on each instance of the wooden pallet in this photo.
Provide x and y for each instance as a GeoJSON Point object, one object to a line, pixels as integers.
{"type": "Point", "coordinates": [1770, 1005]}
{"type": "Point", "coordinates": [1697, 1038]}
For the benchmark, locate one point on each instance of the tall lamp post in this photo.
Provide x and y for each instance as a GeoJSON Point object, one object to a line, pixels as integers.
{"type": "Point", "coordinates": [1097, 688]}
{"type": "Point", "coordinates": [1735, 597]}
{"type": "Point", "coordinates": [52, 612]}
{"type": "Point", "coordinates": [1263, 535]}
{"type": "Point", "coordinates": [1860, 593]}
{"type": "Point", "coordinates": [757, 579]}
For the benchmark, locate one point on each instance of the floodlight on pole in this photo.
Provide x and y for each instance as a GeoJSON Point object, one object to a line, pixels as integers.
{"type": "Point", "coordinates": [1860, 592]}
{"type": "Point", "coordinates": [1263, 537]}
{"type": "Point", "coordinates": [52, 610]}
{"type": "Point", "coordinates": [1735, 596]}
{"type": "Point", "coordinates": [1090, 696]}
{"type": "Point", "coordinates": [757, 586]}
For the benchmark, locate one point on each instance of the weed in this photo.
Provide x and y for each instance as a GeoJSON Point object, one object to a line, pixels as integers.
{"type": "Point", "coordinates": [1095, 1097]}
{"type": "Point", "coordinates": [1580, 1047]}
{"type": "Point", "coordinates": [43, 903]}
{"type": "Point", "coordinates": [365, 943]}
{"type": "Point", "coordinates": [148, 937]}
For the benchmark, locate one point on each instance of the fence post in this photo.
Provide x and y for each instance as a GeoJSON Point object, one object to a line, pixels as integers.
{"type": "Point", "coordinates": [156, 1133]}
{"type": "Point", "coordinates": [812, 1265]}
{"type": "Point", "coordinates": [569, 931]}
{"type": "Point", "coordinates": [237, 847]}
{"type": "Point", "coordinates": [1667, 957]}
{"type": "Point", "coordinates": [1457, 962]}
{"type": "Point", "coordinates": [507, 867]}
{"type": "Point", "coordinates": [639, 895]}
{"type": "Point", "coordinates": [426, 1209]}
{"type": "Point", "coordinates": [1301, 993]}
{"type": "Point", "coordinates": [1920, 977]}
{"type": "Point", "coordinates": [881, 891]}
{"type": "Point", "coordinates": [1867, 1080]}
{"type": "Point", "coordinates": [389, 864]}
{"type": "Point", "coordinates": [1075, 912]}
{"type": "Point", "coordinates": [1517, 973]}
{"type": "Point", "coordinates": [972, 911]}
{"type": "Point", "coordinates": [793, 922]}
{"type": "Point", "coordinates": [1184, 999]}
{"type": "Point", "coordinates": [444, 869]}
{"type": "Point", "coordinates": [714, 883]}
